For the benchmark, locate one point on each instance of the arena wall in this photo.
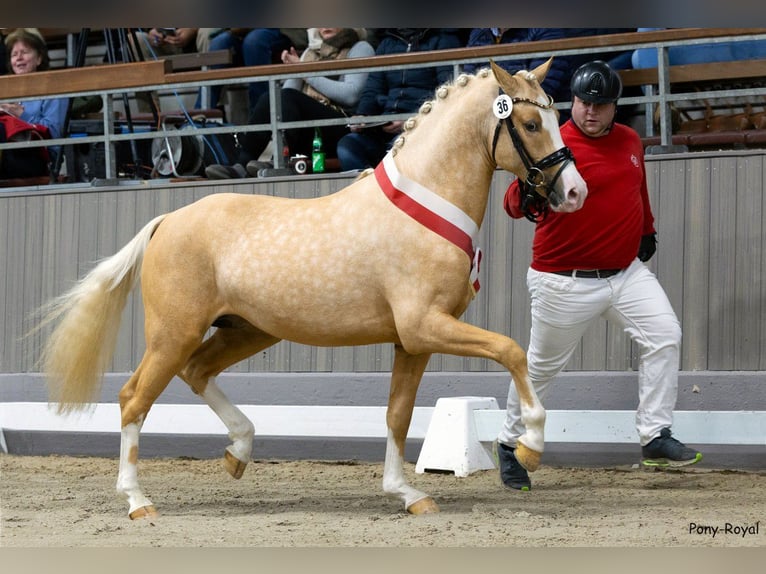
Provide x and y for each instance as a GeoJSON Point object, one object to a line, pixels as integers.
{"type": "Point", "coordinates": [710, 220]}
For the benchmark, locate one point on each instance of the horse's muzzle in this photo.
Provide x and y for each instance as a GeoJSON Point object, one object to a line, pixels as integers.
{"type": "Point", "coordinates": [570, 191]}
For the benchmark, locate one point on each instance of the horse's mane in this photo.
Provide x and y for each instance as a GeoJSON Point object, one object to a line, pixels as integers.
{"type": "Point", "coordinates": [441, 93]}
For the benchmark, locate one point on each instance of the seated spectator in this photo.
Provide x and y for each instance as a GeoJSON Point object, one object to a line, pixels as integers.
{"type": "Point", "coordinates": [394, 91]}
{"type": "Point", "coordinates": [556, 83]}
{"type": "Point", "coordinates": [166, 42]}
{"type": "Point", "coordinates": [28, 53]}
{"type": "Point", "coordinates": [158, 42]}
{"type": "Point", "coordinates": [557, 79]}
{"type": "Point", "coordinates": [255, 47]}
{"type": "Point", "coordinates": [313, 98]}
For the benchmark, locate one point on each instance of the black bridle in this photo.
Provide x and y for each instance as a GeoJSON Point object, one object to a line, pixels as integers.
{"type": "Point", "coordinates": [534, 205]}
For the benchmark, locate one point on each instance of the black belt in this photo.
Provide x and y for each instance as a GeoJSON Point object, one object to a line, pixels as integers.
{"type": "Point", "coordinates": [589, 273]}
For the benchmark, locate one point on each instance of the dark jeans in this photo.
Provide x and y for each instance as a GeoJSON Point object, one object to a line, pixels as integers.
{"type": "Point", "coordinates": [296, 107]}
{"type": "Point", "coordinates": [259, 47]}
{"type": "Point", "coordinates": [364, 149]}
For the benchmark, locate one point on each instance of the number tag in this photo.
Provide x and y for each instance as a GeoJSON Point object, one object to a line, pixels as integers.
{"type": "Point", "coordinates": [502, 106]}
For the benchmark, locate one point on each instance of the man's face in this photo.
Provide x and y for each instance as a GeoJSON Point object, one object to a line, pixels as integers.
{"type": "Point", "coordinates": [593, 119]}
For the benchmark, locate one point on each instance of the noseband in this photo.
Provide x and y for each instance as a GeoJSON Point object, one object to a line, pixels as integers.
{"type": "Point", "coordinates": [534, 205]}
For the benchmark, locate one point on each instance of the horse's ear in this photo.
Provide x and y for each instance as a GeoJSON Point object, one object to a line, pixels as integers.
{"type": "Point", "coordinates": [542, 70]}
{"type": "Point", "coordinates": [504, 78]}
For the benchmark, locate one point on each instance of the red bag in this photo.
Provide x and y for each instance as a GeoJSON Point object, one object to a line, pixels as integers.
{"type": "Point", "coordinates": [17, 130]}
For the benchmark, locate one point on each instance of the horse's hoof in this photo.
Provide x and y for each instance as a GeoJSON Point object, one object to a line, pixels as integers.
{"type": "Point", "coordinates": [423, 506]}
{"type": "Point", "coordinates": [233, 465]}
{"type": "Point", "coordinates": [528, 458]}
{"type": "Point", "coordinates": [143, 512]}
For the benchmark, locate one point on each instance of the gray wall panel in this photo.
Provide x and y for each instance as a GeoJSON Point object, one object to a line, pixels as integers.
{"type": "Point", "coordinates": [709, 215]}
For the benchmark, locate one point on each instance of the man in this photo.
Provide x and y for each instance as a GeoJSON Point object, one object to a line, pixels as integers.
{"type": "Point", "coordinates": [588, 264]}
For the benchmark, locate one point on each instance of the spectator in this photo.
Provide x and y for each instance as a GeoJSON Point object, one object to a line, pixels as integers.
{"type": "Point", "coordinates": [556, 83]}
{"type": "Point", "coordinates": [589, 264]}
{"type": "Point", "coordinates": [318, 97]}
{"type": "Point", "coordinates": [28, 53]}
{"type": "Point", "coordinates": [255, 47]}
{"type": "Point", "coordinates": [166, 41]}
{"type": "Point", "coordinates": [393, 92]}
{"type": "Point", "coordinates": [557, 78]}
{"type": "Point", "coordinates": [158, 42]}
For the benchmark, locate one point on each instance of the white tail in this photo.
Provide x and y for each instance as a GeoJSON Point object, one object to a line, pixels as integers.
{"type": "Point", "coordinates": [81, 346]}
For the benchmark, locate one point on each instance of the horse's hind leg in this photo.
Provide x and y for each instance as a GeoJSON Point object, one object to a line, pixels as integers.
{"type": "Point", "coordinates": [405, 379]}
{"type": "Point", "coordinates": [230, 344]}
{"type": "Point", "coordinates": [136, 398]}
{"type": "Point", "coordinates": [127, 478]}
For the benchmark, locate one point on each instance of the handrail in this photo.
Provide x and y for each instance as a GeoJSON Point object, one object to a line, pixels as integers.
{"type": "Point", "coordinates": [92, 79]}
{"type": "Point", "coordinates": [110, 80]}
{"type": "Point", "coordinates": [564, 46]}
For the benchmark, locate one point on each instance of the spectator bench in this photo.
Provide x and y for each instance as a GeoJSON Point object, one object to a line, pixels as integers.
{"type": "Point", "coordinates": [718, 75]}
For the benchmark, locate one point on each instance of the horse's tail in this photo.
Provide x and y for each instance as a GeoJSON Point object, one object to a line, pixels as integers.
{"type": "Point", "coordinates": [79, 349]}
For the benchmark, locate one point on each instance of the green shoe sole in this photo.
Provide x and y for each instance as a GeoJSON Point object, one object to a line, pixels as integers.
{"type": "Point", "coordinates": [666, 463]}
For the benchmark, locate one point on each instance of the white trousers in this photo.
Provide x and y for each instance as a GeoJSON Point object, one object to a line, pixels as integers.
{"type": "Point", "coordinates": [562, 309]}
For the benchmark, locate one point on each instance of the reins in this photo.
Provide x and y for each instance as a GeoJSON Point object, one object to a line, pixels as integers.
{"type": "Point", "coordinates": [534, 205]}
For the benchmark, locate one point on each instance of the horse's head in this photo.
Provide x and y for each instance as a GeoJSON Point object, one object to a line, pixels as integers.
{"type": "Point", "coordinates": [537, 155]}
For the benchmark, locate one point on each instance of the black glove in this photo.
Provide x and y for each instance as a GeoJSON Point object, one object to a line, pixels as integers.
{"type": "Point", "coordinates": [647, 247]}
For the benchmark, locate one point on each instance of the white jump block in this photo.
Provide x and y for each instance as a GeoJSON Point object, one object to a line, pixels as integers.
{"type": "Point", "coordinates": [452, 442]}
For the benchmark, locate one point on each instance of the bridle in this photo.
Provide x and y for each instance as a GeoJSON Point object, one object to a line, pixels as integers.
{"type": "Point", "coordinates": [534, 205]}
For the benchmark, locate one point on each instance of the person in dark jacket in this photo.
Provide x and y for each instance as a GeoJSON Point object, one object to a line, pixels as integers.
{"type": "Point", "coordinates": [556, 80]}
{"type": "Point", "coordinates": [556, 83]}
{"type": "Point", "coordinates": [394, 92]}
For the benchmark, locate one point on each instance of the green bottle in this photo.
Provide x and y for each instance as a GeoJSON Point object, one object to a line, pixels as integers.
{"type": "Point", "coordinates": [317, 154]}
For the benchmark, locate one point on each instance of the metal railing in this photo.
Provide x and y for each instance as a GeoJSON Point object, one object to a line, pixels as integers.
{"type": "Point", "coordinates": [659, 95]}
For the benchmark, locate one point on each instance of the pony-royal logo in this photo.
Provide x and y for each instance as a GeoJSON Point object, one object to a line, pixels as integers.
{"type": "Point", "coordinates": [634, 160]}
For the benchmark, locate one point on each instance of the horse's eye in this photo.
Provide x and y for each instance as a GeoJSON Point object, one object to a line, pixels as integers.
{"type": "Point", "coordinates": [530, 126]}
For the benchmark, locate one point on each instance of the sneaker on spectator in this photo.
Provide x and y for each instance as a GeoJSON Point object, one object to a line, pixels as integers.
{"type": "Point", "coordinates": [254, 166]}
{"type": "Point", "coordinates": [512, 474]}
{"type": "Point", "coordinates": [664, 451]}
{"type": "Point", "coordinates": [218, 171]}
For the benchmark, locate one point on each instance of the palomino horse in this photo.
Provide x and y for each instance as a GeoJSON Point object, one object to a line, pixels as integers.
{"type": "Point", "coordinates": [388, 259]}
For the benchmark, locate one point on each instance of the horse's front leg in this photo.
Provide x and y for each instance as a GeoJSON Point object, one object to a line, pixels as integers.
{"type": "Point", "coordinates": [405, 379]}
{"type": "Point", "coordinates": [443, 333]}
{"type": "Point", "coordinates": [136, 398]}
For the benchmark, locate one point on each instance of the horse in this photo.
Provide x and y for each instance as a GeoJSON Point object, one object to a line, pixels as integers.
{"type": "Point", "coordinates": [390, 258]}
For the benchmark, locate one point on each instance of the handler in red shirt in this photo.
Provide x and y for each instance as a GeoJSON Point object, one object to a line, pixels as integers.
{"type": "Point", "coordinates": [589, 264]}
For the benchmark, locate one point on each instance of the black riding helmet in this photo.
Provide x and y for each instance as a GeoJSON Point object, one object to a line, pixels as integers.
{"type": "Point", "coordinates": [596, 82]}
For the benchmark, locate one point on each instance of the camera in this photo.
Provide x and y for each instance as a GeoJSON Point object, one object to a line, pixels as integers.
{"type": "Point", "coordinates": [299, 164]}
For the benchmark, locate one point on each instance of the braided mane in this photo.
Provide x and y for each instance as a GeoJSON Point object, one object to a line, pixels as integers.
{"type": "Point", "coordinates": [441, 93]}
